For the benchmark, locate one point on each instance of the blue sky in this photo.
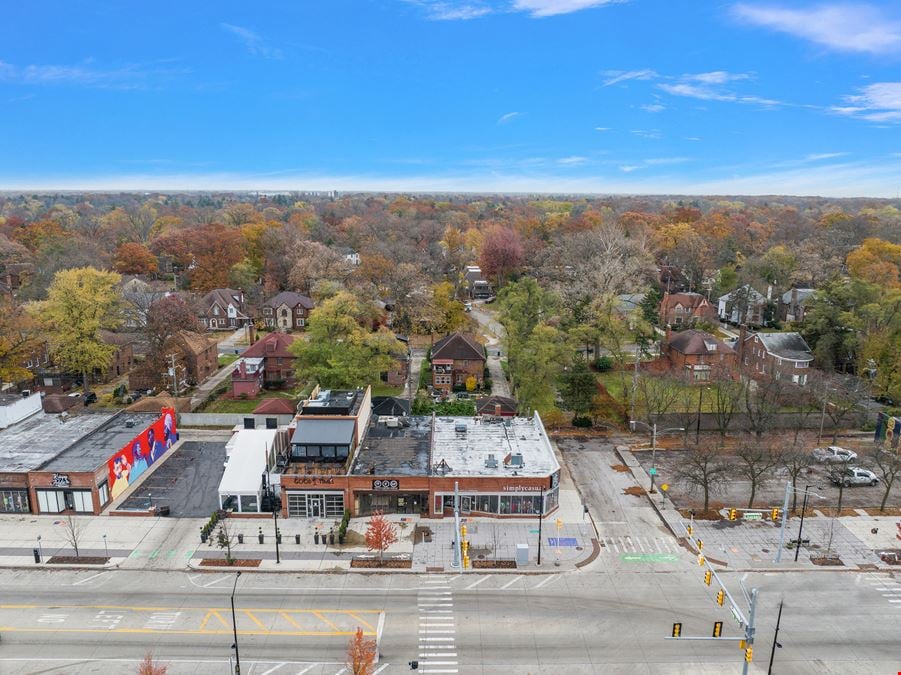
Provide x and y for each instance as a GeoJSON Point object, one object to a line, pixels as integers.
{"type": "Point", "coordinates": [637, 96]}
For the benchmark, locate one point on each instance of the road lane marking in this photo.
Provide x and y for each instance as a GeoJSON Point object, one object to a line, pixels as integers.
{"type": "Point", "coordinates": [436, 639]}
{"type": "Point", "coordinates": [547, 581]}
{"type": "Point", "coordinates": [151, 631]}
{"type": "Point", "coordinates": [510, 583]}
{"type": "Point", "coordinates": [215, 581]}
{"type": "Point", "coordinates": [84, 581]}
{"type": "Point", "coordinates": [322, 618]}
{"type": "Point", "coordinates": [431, 631]}
{"type": "Point", "coordinates": [380, 669]}
{"type": "Point", "coordinates": [476, 583]}
{"type": "Point", "coordinates": [307, 669]}
{"type": "Point", "coordinates": [287, 617]}
{"type": "Point", "coordinates": [250, 615]}
{"type": "Point", "coordinates": [362, 621]}
{"type": "Point", "coordinates": [426, 655]}
{"type": "Point", "coordinates": [273, 669]}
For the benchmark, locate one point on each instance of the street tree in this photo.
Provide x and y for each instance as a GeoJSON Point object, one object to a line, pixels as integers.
{"type": "Point", "coordinates": [796, 461]}
{"type": "Point", "coordinates": [225, 537]}
{"type": "Point", "coordinates": [656, 395]}
{"type": "Point", "coordinates": [763, 400]}
{"type": "Point", "coordinates": [578, 385]}
{"type": "Point", "coordinates": [80, 302]}
{"type": "Point", "coordinates": [887, 462]}
{"type": "Point", "coordinates": [725, 399]}
{"type": "Point", "coordinates": [380, 533]}
{"type": "Point", "coordinates": [72, 530]}
{"type": "Point", "coordinates": [535, 367]}
{"type": "Point", "coordinates": [702, 469]}
{"type": "Point", "coordinates": [151, 667]}
{"type": "Point", "coordinates": [361, 653]}
{"type": "Point", "coordinates": [838, 395]}
{"type": "Point", "coordinates": [755, 459]}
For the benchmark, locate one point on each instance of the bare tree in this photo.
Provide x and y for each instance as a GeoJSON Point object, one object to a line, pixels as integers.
{"type": "Point", "coordinates": [702, 469]}
{"type": "Point", "coordinates": [763, 399]}
{"type": "Point", "coordinates": [755, 459]}
{"type": "Point", "coordinates": [726, 396]}
{"type": "Point", "coordinates": [796, 461]}
{"type": "Point", "coordinates": [72, 530]}
{"type": "Point", "coordinates": [838, 395]}
{"type": "Point", "coordinates": [888, 463]}
{"type": "Point", "coordinates": [225, 538]}
{"type": "Point", "coordinates": [657, 394]}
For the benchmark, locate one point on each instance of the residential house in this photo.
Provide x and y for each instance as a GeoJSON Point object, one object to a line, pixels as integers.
{"type": "Point", "coordinates": [223, 309]}
{"type": "Point", "coordinates": [247, 377]}
{"type": "Point", "coordinates": [390, 406]}
{"type": "Point", "coordinates": [743, 305]}
{"type": "Point", "coordinates": [350, 256]}
{"type": "Point", "coordinates": [794, 304]}
{"type": "Point", "coordinates": [685, 309]}
{"type": "Point", "coordinates": [496, 406]}
{"type": "Point", "coordinates": [273, 356]}
{"type": "Point", "coordinates": [196, 358]}
{"type": "Point", "coordinates": [477, 287]}
{"type": "Point", "coordinates": [287, 311]}
{"type": "Point", "coordinates": [396, 375]}
{"type": "Point", "coordinates": [139, 295]}
{"type": "Point", "coordinates": [122, 360]}
{"type": "Point", "coordinates": [782, 356]}
{"type": "Point", "coordinates": [276, 406]}
{"type": "Point", "coordinates": [699, 355]}
{"type": "Point", "coordinates": [455, 358]}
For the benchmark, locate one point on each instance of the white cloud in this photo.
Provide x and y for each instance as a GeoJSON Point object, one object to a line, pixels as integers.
{"type": "Point", "coordinates": [87, 74]}
{"type": "Point", "coordinates": [877, 102]}
{"type": "Point", "coordinates": [842, 27]}
{"type": "Point", "coordinates": [617, 76]}
{"type": "Point", "coordinates": [653, 107]}
{"type": "Point", "coordinates": [252, 41]}
{"type": "Point", "coordinates": [573, 160]}
{"type": "Point", "coordinates": [652, 134]}
{"type": "Point", "coordinates": [820, 156]}
{"type": "Point", "coordinates": [706, 90]}
{"type": "Point", "coordinates": [542, 8]}
{"type": "Point", "coordinates": [508, 117]}
{"type": "Point", "coordinates": [602, 129]}
{"type": "Point", "coordinates": [717, 77]}
{"type": "Point", "coordinates": [691, 138]}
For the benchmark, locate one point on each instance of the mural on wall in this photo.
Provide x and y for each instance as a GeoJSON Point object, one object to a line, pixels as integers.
{"type": "Point", "coordinates": [141, 452]}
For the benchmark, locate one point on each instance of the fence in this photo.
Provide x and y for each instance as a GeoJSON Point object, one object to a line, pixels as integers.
{"type": "Point", "coordinates": [229, 419]}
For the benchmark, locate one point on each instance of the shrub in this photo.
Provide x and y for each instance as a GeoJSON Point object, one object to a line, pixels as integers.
{"type": "Point", "coordinates": [582, 422]}
{"type": "Point", "coordinates": [603, 364]}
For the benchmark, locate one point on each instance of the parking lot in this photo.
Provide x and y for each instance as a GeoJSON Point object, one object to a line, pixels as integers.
{"type": "Point", "coordinates": [187, 482]}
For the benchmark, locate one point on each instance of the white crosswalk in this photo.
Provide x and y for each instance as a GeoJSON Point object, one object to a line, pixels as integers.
{"type": "Point", "coordinates": [437, 626]}
{"type": "Point", "coordinates": [629, 544]}
{"type": "Point", "coordinates": [887, 586]}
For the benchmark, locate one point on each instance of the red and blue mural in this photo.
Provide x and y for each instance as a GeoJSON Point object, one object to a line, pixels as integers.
{"type": "Point", "coordinates": [139, 454]}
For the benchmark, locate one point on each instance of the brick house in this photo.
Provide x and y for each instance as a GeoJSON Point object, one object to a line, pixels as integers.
{"type": "Point", "coordinates": [743, 305]}
{"type": "Point", "coordinates": [223, 309]}
{"type": "Point", "coordinates": [699, 355]}
{"type": "Point", "coordinates": [287, 310]}
{"type": "Point", "coordinates": [454, 359]}
{"type": "Point", "coordinates": [272, 356]}
{"type": "Point", "coordinates": [247, 377]}
{"type": "Point", "coordinates": [497, 406]}
{"type": "Point", "coordinates": [122, 360]}
{"type": "Point", "coordinates": [197, 357]}
{"type": "Point", "coordinates": [684, 309]}
{"type": "Point", "coordinates": [794, 303]}
{"type": "Point", "coordinates": [782, 356]}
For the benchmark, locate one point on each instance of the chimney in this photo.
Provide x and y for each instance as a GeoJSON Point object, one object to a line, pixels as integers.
{"type": "Point", "coordinates": [794, 300]}
{"type": "Point", "coordinates": [769, 293]}
{"type": "Point", "coordinates": [669, 333]}
{"type": "Point", "coordinates": [497, 409]}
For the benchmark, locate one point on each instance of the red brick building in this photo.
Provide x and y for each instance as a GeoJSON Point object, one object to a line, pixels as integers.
{"type": "Point", "coordinates": [685, 309]}
{"type": "Point", "coordinates": [782, 356]}
{"type": "Point", "coordinates": [454, 359]}
{"type": "Point", "coordinates": [287, 310]}
{"type": "Point", "coordinates": [277, 359]}
{"type": "Point", "coordinates": [699, 355]}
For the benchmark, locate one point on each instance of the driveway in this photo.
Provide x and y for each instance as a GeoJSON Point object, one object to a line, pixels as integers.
{"type": "Point", "coordinates": [494, 333]}
{"type": "Point", "coordinates": [416, 357]}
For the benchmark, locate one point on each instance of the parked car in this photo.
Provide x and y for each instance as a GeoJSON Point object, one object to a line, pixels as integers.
{"type": "Point", "coordinates": [834, 454]}
{"type": "Point", "coordinates": [855, 476]}
{"type": "Point", "coordinates": [467, 306]}
{"type": "Point", "coordinates": [74, 394]}
{"type": "Point", "coordinates": [90, 398]}
{"type": "Point", "coordinates": [462, 396]}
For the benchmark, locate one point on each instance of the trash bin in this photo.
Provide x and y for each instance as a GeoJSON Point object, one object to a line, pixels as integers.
{"type": "Point", "coordinates": [522, 554]}
{"type": "Point", "coordinates": [37, 556]}
{"type": "Point", "coordinates": [241, 538]}
{"type": "Point", "coordinates": [297, 539]}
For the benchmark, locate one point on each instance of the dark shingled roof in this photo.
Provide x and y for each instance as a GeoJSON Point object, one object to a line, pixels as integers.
{"type": "Point", "coordinates": [390, 406]}
{"type": "Point", "coordinates": [696, 342]}
{"type": "Point", "coordinates": [458, 347]}
{"type": "Point", "coordinates": [787, 345]}
{"type": "Point", "coordinates": [486, 406]}
{"type": "Point", "coordinates": [275, 406]}
{"type": "Point", "coordinates": [291, 299]}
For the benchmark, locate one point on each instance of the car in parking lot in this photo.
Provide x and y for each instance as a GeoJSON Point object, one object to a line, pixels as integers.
{"type": "Point", "coordinates": [834, 454]}
{"type": "Point", "coordinates": [89, 398]}
{"type": "Point", "coordinates": [855, 476]}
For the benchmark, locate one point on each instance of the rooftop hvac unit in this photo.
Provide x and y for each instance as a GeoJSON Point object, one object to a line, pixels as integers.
{"type": "Point", "coordinates": [516, 460]}
{"type": "Point", "coordinates": [460, 428]}
{"type": "Point", "coordinates": [491, 462]}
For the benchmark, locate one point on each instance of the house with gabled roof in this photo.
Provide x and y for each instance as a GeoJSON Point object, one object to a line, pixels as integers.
{"type": "Point", "coordinates": [270, 359]}
{"type": "Point", "coordinates": [287, 311]}
{"type": "Point", "coordinates": [455, 358]}
{"type": "Point", "coordinates": [223, 309]}
{"type": "Point", "coordinates": [699, 355]}
{"type": "Point", "coordinates": [743, 305]}
{"type": "Point", "coordinates": [685, 309]}
{"type": "Point", "coordinates": [782, 356]}
{"type": "Point", "coordinates": [794, 304]}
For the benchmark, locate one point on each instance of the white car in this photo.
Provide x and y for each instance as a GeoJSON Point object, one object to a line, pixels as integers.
{"type": "Point", "coordinates": [834, 454]}
{"type": "Point", "coordinates": [855, 476]}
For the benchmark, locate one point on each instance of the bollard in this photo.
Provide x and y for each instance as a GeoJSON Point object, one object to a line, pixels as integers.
{"type": "Point", "coordinates": [297, 539]}
{"type": "Point", "coordinates": [37, 556]}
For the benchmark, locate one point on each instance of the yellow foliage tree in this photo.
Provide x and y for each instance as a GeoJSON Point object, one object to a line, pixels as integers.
{"type": "Point", "coordinates": [876, 261]}
{"type": "Point", "coordinates": [471, 383]}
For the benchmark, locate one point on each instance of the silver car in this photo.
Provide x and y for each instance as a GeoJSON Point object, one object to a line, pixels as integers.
{"type": "Point", "coordinates": [834, 454]}
{"type": "Point", "coordinates": [855, 476]}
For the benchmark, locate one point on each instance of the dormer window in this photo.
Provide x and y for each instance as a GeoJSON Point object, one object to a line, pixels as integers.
{"type": "Point", "coordinates": [711, 346]}
{"type": "Point", "coordinates": [215, 310]}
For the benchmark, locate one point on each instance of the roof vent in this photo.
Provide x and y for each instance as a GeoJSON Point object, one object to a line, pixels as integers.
{"type": "Point", "coordinates": [442, 468]}
{"type": "Point", "coordinates": [460, 427]}
{"type": "Point", "coordinates": [129, 424]}
{"type": "Point", "coordinates": [516, 460]}
{"type": "Point", "coordinates": [491, 462]}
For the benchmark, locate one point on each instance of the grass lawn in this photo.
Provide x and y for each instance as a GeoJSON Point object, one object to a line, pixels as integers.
{"type": "Point", "coordinates": [225, 359]}
{"type": "Point", "coordinates": [383, 389]}
{"type": "Point", "coordinates": [612, 380]}
{"type": "Point", "coordinates": [228, 405]}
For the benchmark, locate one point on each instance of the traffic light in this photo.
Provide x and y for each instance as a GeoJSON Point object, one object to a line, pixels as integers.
{"type": "Point", "coordinates": [741, 644]}
{"type": "Point", "coordinates": [720, 597]}
{"type": "Point", "coordinates": [749, 653]}
{"type": "Point", "coordinates": [708, 575]}
{"type": "Point", "coordinates": [733, 514]}
{"type": "Point", "coordinates": [717, 628]}
{"type": "Point", "coordinates": [701, 559]}
{"type": "Point", "coordinates": [700, 545]}
{"type": "Point", "coordinates": [463, 530]}
{"type": "Point", "coordinates": [689, 528]}
{"type": "Point", "coordinates": [775, 514]}
{"type": "Point", "coordinates": [677, 630]}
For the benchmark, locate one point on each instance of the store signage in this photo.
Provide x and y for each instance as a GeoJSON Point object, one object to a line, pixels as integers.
{"type": "Point", "coordinates": [61, 480]}
{"type": "Point", "coordinates": [385, 484]}
{"type": "Point", "coordinates": [314, 481]}
{"type": "Point", "coordinates": [522, 488]}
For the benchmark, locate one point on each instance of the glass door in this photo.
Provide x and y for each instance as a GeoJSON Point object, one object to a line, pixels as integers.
{"type": "Point", "coordinates": [315, 506]}
{"type": "Point", "coordinates": [465, 504]}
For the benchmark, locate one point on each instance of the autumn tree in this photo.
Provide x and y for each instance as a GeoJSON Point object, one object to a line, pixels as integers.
{"type": "Point", "coordinates": [877, 262]}
{"type": "Point", "coordinates": [18, 341]}
{"type": "Point", "coordinates": [380, 533]}
{"type": "Point", "coordinates": [887, 462]}
{"type": "Point", "coordinates": [361, 653]}
{"type": "Point", "coordinates": [502, 253]}
{"type": "Point", "coordinates": [134, 258]}
{"type": "Point", "coordinates": [80, 302]}
{"type": "Point", "coordinates": [165, 318]}
{"type": "Point", "coordinates": [150, 667]}
{"type": "Point", "coordinates": [578, 386]}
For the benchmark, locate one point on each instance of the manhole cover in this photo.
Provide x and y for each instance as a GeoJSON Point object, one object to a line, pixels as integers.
{"type": "Point", "coordinates": [481, 557]}
{"type": "Point", "coordinates": [578, 548]}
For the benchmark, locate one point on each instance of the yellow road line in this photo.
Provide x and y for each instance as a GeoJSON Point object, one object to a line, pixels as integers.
{"type": "Point", "coordinates": [365, 623]}
{"type": "Point", "coordinates": [152, 631]}
{"type": "Point", "coordinates": [261, 610]}
{"type": "Point", "coordinates": [221, 620]}
{"type": "Point", "coordinates": [322, 618]}
{"type": "Point", "coordinates": [254, 619]}
{"type": "Point", "coordinates": [287, 618]}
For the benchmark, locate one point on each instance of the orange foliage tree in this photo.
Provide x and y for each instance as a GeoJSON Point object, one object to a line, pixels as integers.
{"type": "Point", "coordinates": [150, 667]}
{"type": "Point", "coordinates": [134, 258]}
{"type": "Point", "coordinates": [380, 533]}
{"type": "Point", "coordinates": [361, 653]}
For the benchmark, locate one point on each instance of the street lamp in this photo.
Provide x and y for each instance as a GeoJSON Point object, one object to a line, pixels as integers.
{"type": "Point", "coordinates": [235, 628]}
{"type": "Point", "coordinates": [653, 429]}
{"type": "Point", "coordinates": [105, 548]}
{"type": "Point", "coordinates": [698, 427]}
{"type": "Point", "coordinates": [267, 485]}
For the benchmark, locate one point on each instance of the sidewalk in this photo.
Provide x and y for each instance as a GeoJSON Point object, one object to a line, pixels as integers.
{"type": "Point", "coordinates": [752, 545]}
{"type": "Point", "coordinates": [206, 388]}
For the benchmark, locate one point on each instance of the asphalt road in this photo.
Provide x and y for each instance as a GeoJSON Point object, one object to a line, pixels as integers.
{"type": "Point", "coordinates": [612, 620]}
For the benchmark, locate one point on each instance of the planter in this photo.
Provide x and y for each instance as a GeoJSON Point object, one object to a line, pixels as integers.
{"type": "Point", "coordinates": [316, 537]}
{"type": "Point", "coordinates": [341, 539]}
{"type": "Point", "coordinates": [241, 538]}
{"type": "Point", "coordinates": [278, 538]}
{"type": "Point", "coordinates": [331, 538]}
{"type": "Point", "coordinates": [261, 537]}
{"type": "Point", "coordinates": [203, 536]}
{"type": "Point", "coordinates": [297, 539]}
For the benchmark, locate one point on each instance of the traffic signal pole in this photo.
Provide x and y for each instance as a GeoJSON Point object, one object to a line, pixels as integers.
{"type": "Point", "coordinates": [788, 489]}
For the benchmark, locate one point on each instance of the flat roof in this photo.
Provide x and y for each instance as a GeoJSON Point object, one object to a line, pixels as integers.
{"type": "Point", "coordinates": [461, 447]}
{"type": "Point", "coordinates": [334, 402]}
{"type": "Point", "coordinates": [28, 444]}
{"type": "Point", "coordinates": [246, 461]}
{"type": "Point", "coordinates": [95, 448]}
{"type": "Point", "coordinates": [401, 451]}
{"type": "Point", "coordinates": [323, 432]}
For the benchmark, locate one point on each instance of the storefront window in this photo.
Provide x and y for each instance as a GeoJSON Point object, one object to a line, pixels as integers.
{"type": "Point", "coordinates": [103, 491]}
{"type": "Point", "coordinates": [505, 506]}
{"type": "Point", "coordinates": [249, 504]}
{"type": "Point", "coordinates": [14, 501]}
{"type": "Point", "coordinates": [550, 500]}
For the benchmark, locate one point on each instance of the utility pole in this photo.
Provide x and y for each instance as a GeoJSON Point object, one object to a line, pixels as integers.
{"type": "Point", "coordinates": [172, 372]}
{"type": "Point", "coordinates": [788, 489]}
{"type": "Point", "coordinates": [235, 628]}
{"type": "Point", "coordinates": [775, 639]}
{"type": "Point", "coordinates": [801, 528]}
{"type": "Point", "coordinates": [822, 421]}
{"type": "Point", "coordinates": [540, 519]}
